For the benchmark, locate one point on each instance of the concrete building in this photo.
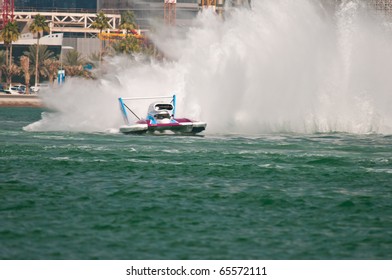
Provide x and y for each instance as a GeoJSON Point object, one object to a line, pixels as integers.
{"type": "Point", "coordinates": [145, 10]}
{"type": "Point", "coordinates": [56, 5]}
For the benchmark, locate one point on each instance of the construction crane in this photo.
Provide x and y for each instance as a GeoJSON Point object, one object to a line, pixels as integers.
{"type": "Point", "coordinates": [218, 5]}
{"type": "Point", "coordinates": [208, 3]}
{"type": "Point", "coordinates": [241, 3]}
{"type": "Point", "coordinates": [7, 12]}
{"type": "Point", "coordinates": [170, 11]}
{"type": "Point", "coordinates": [384, 5]}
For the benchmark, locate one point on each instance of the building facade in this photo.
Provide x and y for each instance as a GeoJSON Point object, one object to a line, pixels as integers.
{"type": "Point", "coordinates": [134, 4]}
{"type": "Point", "coordinates": [56, 5]}
{"type": "Point", "coordinates": [145, 11]}
{"type": "Point", "coordinates": [148, 11]}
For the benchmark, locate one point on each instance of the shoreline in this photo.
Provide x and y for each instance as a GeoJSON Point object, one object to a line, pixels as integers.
{"type": "Point", "coordinates": [8, 100]}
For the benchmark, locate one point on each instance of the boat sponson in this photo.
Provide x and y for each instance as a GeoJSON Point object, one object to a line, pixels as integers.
{"type": "Point", "coordinates": [182, 126]}
{"type": "Point", "coordinates": [134, 128]}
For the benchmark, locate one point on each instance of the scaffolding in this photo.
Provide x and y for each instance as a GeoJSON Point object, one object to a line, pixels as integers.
{"type": "Point", "coordinates": [207, 3]}
{"type": "Point", "coordinates": [216, 5]}
{"type": "Point", "coordinates": [70, 22]}
{"type": "Point", "coordinates": [169, 11]}
{"type": "Point", "coordinates": [7, 12]}
{"type": "Point", "coordinates": [219, 5]}
{"type": "Point", "coordinates": [239, 3]}
{"type": "Point", "coordinates": [382, 5]}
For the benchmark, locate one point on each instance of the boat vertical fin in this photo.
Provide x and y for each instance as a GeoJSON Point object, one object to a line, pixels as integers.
{"type": "Point", "coordinates": [174, 105]}
{"type": "Point", "coordinates": [123, 110]}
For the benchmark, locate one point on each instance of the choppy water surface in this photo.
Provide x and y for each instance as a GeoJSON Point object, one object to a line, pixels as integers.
{"type": "Point", "coordinates": [110, 196]}
{"type": "Point", "coordinates": [282, 76]}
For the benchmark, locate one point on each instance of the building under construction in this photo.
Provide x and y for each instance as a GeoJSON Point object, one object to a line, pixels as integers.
{"type": "Point", "coordinates": [7, 12]}
{"type": "Point", "coordinates": [73, 18]}
{"type": "Point", "coordinates": [382, 5]}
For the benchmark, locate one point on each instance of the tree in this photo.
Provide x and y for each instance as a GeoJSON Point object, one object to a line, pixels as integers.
{"type": "Point", "coordinates": [101, 23]}
{"type": "Point", "coordinates": [38, 25]}
{"type": "Point", "coordinates": [74, 65]}
{"type": "Point", "coordinates": [25, 67]}
{"type": "Point", "coordinates": [3, 69]}
{"type": "Point", "coordinates": [37, 57]}
{"type": "Point", "coordinates": [73, 57]}
{"type": "Point", "coordinates": [2, 62]}
{"type": "Point", "coordinates": [10, 33]}
{"type": "Point", "coordinates": [10, 71]}
{"type": "Point", "coordinates": [74, 70]}
{"type": "Point", "coordinates": [51, 66]}
{"type": "Point", "coordinates": [93, 59]}
{"type": "Point", "coordinates": [128, 21]}
{"type": "Point", "coordinates": [128, 45]}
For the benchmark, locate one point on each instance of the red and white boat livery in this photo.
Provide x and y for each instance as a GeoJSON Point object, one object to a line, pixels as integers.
{"type": "Point", "coordinates": [160, 119]}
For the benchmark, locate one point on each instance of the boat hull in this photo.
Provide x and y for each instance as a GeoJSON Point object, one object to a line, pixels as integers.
{"type": "Point", "coordinates": [181, 128]}
{"type": "Point", "coordinates": [160, 119]}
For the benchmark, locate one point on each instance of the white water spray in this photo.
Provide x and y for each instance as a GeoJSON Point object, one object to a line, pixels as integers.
{"type": "Point", "coordinates": [284, 66]}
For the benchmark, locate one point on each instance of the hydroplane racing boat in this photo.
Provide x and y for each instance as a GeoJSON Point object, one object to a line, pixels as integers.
{"type": "Point", "coordinates": [160, 119]}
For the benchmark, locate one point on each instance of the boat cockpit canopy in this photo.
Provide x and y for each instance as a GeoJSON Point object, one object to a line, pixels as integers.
{"type": "Point", "coordinates": [162, 115]}
{"type": "Point", "coordinates": [163, 106]}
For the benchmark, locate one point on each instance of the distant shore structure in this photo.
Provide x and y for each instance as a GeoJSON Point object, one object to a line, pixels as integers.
{"type": "Point", "coordinates": [21, 100]}
{"type": "Point", "coordinates": [145, 10]}
{"type": "Point", "coordinates": [73, 18]}
{"type": "Point", "coordinates": [382, 4]}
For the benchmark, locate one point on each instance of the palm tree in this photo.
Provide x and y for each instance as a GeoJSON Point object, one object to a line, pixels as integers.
{"type": "Point", "coordinates": [25, 67]}
{"type": "Point", "coordinates": [10, 71]}
{"type": "Point", "coordinates": [74, 65]}
{"type": "Point", "coordinates": [37, 57]}
{"type": "Point", "coordinates": [74, 58]}
{"type": "Point", "coordinates": [10, 33]}
{"type": "Point", "coordinates": [2, 62]}
{"type": "Point", "coordinates": [128, 21]}
{"type": "Point", "coordinates": [74, 70]}
{"type": "Point", "coordinates": [3, 69]}
{"type": "Point", "coordinates": [38, 25]}
{"type": "Point", "coordinates": [101, 23]}
{"type": "Point", "coordinates": [51, 66]}
{"type": "Point", "coordinates": [129, 45]}
{"type": "Point", "coordinates": [93, 59]}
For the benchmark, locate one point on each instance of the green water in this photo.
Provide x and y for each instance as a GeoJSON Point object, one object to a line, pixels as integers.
{"type": "Point", "coordinates": [111, 196]}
